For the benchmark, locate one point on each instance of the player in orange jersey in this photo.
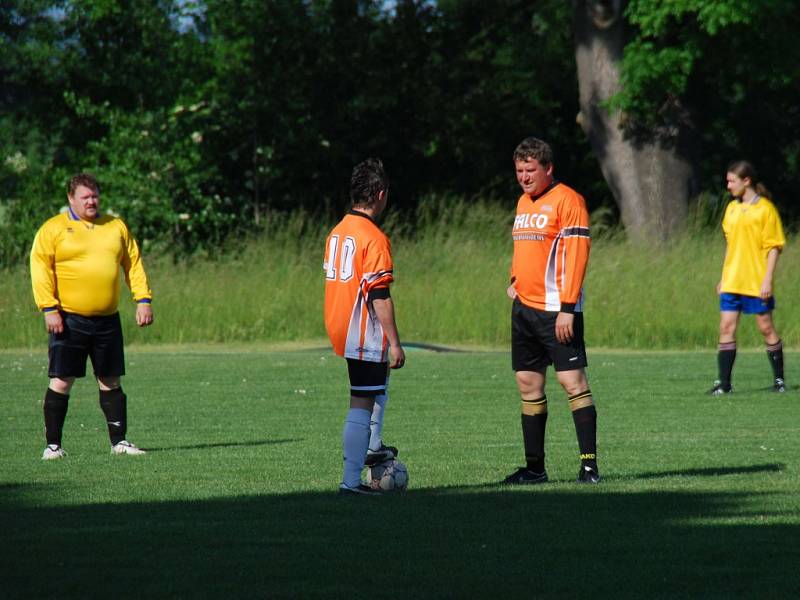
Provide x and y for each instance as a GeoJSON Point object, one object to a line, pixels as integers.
{"type": "Point", "coordinates": [551, 251]}
{"type": "Point", "coordinates": [359, 318]}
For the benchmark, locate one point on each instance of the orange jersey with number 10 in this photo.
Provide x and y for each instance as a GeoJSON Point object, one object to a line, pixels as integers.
{"type": "Point", "coordinates": [551, 249]}
{"type": "Point", "coordinates": [358, 258]}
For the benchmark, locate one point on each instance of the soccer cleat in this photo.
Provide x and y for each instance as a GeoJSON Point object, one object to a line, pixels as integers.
{"type": "Point", "coordinates": [779, 386]}
{"type": "Point", "coordinates": [53, 451]}
{"type": "Point", "coordinates": [524, 476]}
{"type": "Point", "coordinates": [360, 490]}
{"type": "Point", "coordinates": [125, 447]}
{"type": "Point", "coordinates": [588, 474]}
{"type": "Point", "coordinates": [718, 390]}
{"type": "Point", "coordinates": [375, 457]}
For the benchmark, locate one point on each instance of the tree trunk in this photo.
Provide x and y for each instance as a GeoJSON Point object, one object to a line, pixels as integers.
{"type": "Point", "coordinates": [650, 175]}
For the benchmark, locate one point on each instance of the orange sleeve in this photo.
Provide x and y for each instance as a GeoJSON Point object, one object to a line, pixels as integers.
{"type": "Point", "coordinates": [378, 264]}
{"type": "Point", "coordinates": [574, 220]}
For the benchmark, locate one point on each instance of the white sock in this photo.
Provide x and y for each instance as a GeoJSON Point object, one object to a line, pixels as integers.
{"type": "Point", "coordinates": [355, 440]}
{"type": "Point", "coordinates": [376, 421]}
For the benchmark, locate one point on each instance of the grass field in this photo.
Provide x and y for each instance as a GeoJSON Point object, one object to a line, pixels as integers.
{"type": "Point", "coordinates": [236, 497]}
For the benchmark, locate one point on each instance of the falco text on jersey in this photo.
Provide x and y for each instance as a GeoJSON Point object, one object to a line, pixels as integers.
{"type": "Point", "coordinates": [526, 220]}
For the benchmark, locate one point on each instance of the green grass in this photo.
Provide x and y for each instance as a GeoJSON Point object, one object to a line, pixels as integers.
{"type": "Point", "coordinates": [451, 274]}
{"type": "Point", "coordinates": [236, 497]}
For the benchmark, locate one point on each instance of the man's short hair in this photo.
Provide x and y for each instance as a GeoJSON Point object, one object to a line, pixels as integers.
{"type": "Point", "coordinates": [86, 180]}
{"type": "Point", "coordinates": [367, 182]}
{"type": "Point", "coordinates": [534, 148]}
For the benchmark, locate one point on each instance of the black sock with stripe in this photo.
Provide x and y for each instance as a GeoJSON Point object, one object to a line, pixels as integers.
{"type": "Point", "coordinates": [533, 428]}
{"type": "Point", "coordinates": [114, 405]}
{"type": "Point", "coordinates": [725, 360]}
{"type": "Point", "coordinates": [585, 420]}
{"type": "Point", "coordinates": [775, 354]}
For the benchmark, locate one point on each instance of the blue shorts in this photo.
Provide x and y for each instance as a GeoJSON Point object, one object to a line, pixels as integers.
{"type": "Point", "coordinates": [749, 305]}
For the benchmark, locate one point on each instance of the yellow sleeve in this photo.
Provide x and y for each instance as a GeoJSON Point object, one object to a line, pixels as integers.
{"type": "Point", "coordinates": [772, 233]}
{"type": "Point", "coordinates": [43, 268]}
{"type": "Point", "coordinates": [132, 266]}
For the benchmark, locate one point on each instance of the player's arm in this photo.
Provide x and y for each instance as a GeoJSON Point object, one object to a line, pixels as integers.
{"type": "Point", "coordinates": [575, 229]}
{"type": "Point", "coordinates": [136, 278]}
{"type": "Point", "coordinates": [43, 280]}
{"type": "Point", "coordinates": [384, 310]}
{"type": "Point", "coordinates": [772, 261]}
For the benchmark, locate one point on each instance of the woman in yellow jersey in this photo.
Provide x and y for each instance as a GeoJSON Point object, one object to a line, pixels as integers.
{"type": "Point", "coordinates": [754, 236]}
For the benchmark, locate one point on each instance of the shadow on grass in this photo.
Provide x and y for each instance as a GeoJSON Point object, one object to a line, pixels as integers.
{"type": "Point", "coordinates": [222, 445]}
{"type": "Point", "coordinates": [710, 471]}
{"type": "Point", "coordinates": [456, 542]}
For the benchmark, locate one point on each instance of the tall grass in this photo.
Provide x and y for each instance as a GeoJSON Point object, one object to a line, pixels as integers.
{"type": "Point", "coordinates": [451, 271]}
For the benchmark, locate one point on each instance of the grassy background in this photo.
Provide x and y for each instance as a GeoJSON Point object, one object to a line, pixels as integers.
{"type": "Point", "coordinates": [236, 496]}
{"type": "Point", "coordinates": [451, 273]}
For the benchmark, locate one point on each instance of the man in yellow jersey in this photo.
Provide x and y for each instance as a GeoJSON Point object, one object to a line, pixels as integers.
{"type": "Point", "coordinates": [75, 265]}
{"type": "Point", "coordinates": [360, 321]}
{"type": "Point", "coordinates": [754, 236]}
{"type": "Point", "coordinates": [551, 253]}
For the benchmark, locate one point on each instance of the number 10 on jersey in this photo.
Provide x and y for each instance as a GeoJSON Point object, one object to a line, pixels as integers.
{"type": "Point", "coordinates": [345, 260]}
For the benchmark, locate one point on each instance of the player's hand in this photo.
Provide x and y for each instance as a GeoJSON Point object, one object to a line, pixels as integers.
{"type": "Point", "coordinates": [397, 357]}
{"type": "Point", "coordinates": [766, 289]}
{"type": "Point", "coordinates": [53, 322]}
{"type": "Point", "coordinates": [564, 323]}
{"type": "Point", "coordinates": [144, 314]}
{"type": "Point", "coordinates": [511, 291]}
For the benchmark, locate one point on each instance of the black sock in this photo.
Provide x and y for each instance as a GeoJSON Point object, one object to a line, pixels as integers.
{"type": "Point", "coordinates": [114, 405]}
{"type": "Point", "coordinates": [586, 429]}
{"type": "Point", "coordinates": [55, 411]}
{"type": "Point", "coordinates": [533, 427]}
{"type": "Point", "coordinates": [725, 359]}
{"type": "Point", "coordinates": [775, 354]}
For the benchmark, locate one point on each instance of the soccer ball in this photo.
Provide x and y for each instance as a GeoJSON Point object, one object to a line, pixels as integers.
{"type": "Point", "coordinates": [389, 476]}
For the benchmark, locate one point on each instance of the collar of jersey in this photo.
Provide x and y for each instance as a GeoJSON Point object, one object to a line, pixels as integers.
{"type": "Point", "coordinates": [553, 184]}
{"type": "Point", "coordinates": [358, 213]}
{"type": "Point", "coordinates": [74, 217]}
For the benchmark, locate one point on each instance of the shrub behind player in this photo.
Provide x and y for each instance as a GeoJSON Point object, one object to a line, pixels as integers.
{"type": "Point", "coordinates": [360, 320]}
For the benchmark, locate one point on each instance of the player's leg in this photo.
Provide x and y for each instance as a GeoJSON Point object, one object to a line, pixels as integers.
{"type": "Point", "coordinates": [108, 359]}
{"type": "Point", "coordinates": [367, 380]}
{"type": "Point", "coordinates": [67, 352]}
{"type": "Point", "coordinates": [774, 348]}
{"type": "Point", "coordinates": [529, 361]}
{"type": "Point", "coordinates": [378, 451]}
{"type": "Point", "coordinates": [584, 416]}
{"type": "Point", "coordinates": [730, 309]}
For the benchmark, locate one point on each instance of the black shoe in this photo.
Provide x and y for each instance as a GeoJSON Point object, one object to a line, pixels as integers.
{"type": "Point", "coordinates": [588, 474]}
{"type": "Point", "coordinates": [719, 390]}
{"type": "Point", "coordinates": [375, 457]}
{"type": "Point", "coordinates": [361, 490]}
{"type": "Point", "coordinates": [779, 386]}
{"type": "Point", "coordinates": [525, 476]}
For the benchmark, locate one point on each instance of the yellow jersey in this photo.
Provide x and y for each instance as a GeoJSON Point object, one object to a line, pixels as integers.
{"type": "Point", "coordinates": [751, 231]}
{"type": "Point", "coordinates": [75, 265]}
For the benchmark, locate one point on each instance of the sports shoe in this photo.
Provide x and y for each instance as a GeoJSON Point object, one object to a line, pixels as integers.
{"type": "Point", "coordinates": [375, 457]}
{"type": "Point", "coordinates": [588, 474]}
{"type": "Point", "coordinates": [125, 447]}
{"type": "Point", "coordinates": [779, 386]}
{"type": "Point", "coordinates": [360, 490]}
{"type": "Point", "coordinates": [53, 451]}
{"type": "Point", "coordinates": [525, 476]}
{"type": "Point", "coordinates": [718, 390]}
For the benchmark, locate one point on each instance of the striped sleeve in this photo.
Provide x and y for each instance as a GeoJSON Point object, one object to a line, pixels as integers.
{"type": "Point", "coordinates": [576, 241]}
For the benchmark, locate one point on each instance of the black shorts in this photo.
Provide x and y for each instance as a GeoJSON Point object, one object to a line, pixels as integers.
{"type": "Point", "coordinates": [367, 379]}
{"type": "Point", "coordinates": [99, 338]}
{"type": "Point", "coordinates": [534, 345]}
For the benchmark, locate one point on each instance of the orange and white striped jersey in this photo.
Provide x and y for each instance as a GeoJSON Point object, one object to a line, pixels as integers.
{"type": "Point", "coordinates": [551, 249]}
{"type": "Point", "coordinates": [358, 259]}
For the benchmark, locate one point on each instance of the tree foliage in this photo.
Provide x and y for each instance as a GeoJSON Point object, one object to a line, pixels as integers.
{"type": "Point", "coordinates": [201, 117]}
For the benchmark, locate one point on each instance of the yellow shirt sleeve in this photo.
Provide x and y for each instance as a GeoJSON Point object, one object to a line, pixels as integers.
{"type": "Point", "coordinates": [43, 272]}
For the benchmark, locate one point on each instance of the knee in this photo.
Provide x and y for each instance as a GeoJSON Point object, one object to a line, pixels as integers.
{"type": "Point", "coordinates": [530, 386]}
{"type": "Point", "coordinates": [62, 386]}
{"type": "Point", "coordinates": [108, 383]}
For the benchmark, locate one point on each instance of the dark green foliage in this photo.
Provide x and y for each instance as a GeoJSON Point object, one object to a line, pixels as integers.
{"type": "Point", "coordinates": [228, 110]}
